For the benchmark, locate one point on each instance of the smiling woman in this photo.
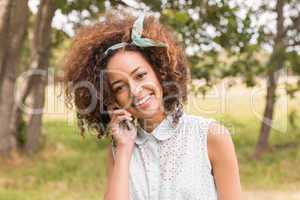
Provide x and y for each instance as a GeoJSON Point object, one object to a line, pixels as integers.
{"type": "Point", "coordinates": [88, 64]}
{"type": "Point", "coordinates": [127, 68]}
{"type": "Point", "coordinates": [135, 85]}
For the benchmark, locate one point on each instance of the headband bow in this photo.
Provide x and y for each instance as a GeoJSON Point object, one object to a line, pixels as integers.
{"type": "Point", "coordinates": [136, 37]}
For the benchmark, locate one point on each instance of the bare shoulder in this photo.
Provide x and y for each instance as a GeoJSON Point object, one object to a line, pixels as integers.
{"type": "Point", "coordinates": [224, 162]}
{"type": "Point", "coordinates": [218, 134]}
{"type": "Point", "coordinates": [219, 141]}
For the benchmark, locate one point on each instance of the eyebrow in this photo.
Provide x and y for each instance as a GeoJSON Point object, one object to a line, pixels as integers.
{"type": "Point", "coordinates": [133, 71]}
{"type": "Point", "coordinates": [117, 81]}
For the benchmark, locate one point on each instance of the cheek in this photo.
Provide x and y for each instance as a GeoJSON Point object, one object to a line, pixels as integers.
{"type": "Point", "coordinates": [158, 88]}
{"type": "Point", "coordinates": [152, 85]}
{"type": "Point", "coordinates": [123, 98]}
{"type": "Point", "coordinates": [157, 83]}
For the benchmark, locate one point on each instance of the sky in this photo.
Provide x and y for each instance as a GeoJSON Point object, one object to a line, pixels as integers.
{"type": "Point", "coordinates": [268, 19]}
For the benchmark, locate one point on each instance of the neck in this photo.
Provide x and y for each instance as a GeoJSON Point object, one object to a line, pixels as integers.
{"type": "Point", "coordinates": [150, 123]}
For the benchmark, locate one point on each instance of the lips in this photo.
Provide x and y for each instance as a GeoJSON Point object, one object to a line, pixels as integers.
{"type": "Point", "coordinates": [143, 101]}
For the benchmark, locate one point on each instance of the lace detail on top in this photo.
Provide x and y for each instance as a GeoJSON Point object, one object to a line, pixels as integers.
{"type": "Point", "coordinates": [172, 162]}
{"type": "Point", "coordinates": [171, 157]}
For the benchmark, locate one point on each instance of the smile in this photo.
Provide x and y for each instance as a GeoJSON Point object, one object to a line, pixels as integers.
{"type": "Point", "coordinates": [143, 101]}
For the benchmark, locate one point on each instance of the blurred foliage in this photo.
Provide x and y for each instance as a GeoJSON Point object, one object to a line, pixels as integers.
{"type": "Point", "coordinates": [219, 42]}
{"type": "Point", "coordinates": [215, 28]}
{"type": "Point", "coordinates": [219, 29]}
{"type": "Point", "coordinates": [93, 7]}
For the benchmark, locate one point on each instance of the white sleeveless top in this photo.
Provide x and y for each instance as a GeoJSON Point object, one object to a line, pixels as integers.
{"type": "Point", "coordinates": [171, 162]}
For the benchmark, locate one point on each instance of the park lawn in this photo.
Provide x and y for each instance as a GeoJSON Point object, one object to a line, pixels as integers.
{"type": "Point", "coordinates": [70, 167]}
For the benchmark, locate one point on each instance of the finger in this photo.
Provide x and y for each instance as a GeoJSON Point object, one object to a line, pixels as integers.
{"type": "Point", "coordinates": [119, 112]}
{"type": "Point", "coordinates": [114, 117]}
{"type": "Point", "coordinates": [121, 118]}
{"type": "Point", "coordinates": [117, 120]}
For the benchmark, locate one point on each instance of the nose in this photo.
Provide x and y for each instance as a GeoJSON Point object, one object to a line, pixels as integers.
{"type": "Point", "coordinates": [135, 89]}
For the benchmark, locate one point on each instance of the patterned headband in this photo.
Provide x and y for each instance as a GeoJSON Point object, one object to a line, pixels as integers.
{"type": "Point", "coordinates": [136, 37]}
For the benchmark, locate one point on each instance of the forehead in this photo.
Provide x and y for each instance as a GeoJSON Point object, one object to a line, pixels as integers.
{"type": "Point", "coordinates": [124, 62]}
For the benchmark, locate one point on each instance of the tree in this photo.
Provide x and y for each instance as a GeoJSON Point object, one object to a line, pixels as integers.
{"type": "Point", "coordinates": [5, 9]}
{"type": "Point", "coordinates": [278, 60]}
{"type": "Point", "coordinates": [13, 33]}
{"type": "Point", "coordinates": [35, 83]}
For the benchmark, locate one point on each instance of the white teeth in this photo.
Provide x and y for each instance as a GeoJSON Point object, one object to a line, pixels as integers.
{"type": "Point", "coordinates": [143, 100]}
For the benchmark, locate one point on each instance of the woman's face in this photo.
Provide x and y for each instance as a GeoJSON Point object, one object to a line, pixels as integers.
{"type": "Point", "coordinates": [135, 84]}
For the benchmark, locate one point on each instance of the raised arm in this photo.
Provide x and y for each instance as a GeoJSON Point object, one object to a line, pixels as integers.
{"type": "Point", "coordinates": [118, 166]}
{"type": "Point", "coordinates": [109, 168]}
{"type": "Point", "coordinates": [224, 163]}
{"type": "Point", "coordinates": [117, 174]}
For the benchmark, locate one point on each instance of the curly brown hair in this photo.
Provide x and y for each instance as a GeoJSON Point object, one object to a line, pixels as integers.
{"type": "Point", "coordinates": [89, 89]}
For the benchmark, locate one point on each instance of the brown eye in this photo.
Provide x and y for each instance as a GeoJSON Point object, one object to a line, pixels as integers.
{"type": "Point", "coordinates": [120, 88]}
{"type": "Point", "coordinates": [141, 75]}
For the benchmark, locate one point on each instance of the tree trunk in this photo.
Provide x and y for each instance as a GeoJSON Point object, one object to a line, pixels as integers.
{"type": "Point", "coordinates": [16, 31]}
{"type": "Point", "coordinates": [266, 125]}
{"type": "Point", "coordinates": [17, 112]}
{"type": "Point", "coordinates": [5, 9]}
{"type": "Point", "coordinates": [39, 63]}
{"type": "Point", "coordinates": [276, 63]}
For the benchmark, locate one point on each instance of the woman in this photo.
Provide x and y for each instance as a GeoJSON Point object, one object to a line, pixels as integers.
{"type": "Point", "coordinates": [128, 77]}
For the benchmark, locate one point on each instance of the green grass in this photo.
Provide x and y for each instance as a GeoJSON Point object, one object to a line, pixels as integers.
{"type": "Point", "coordinates": [277, 169]}
{"type": "Point", "coordinates": [70, 167]}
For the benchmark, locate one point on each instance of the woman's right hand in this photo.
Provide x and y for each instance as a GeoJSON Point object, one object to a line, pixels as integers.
{"type": "Point", "coordinates": [123, 138]}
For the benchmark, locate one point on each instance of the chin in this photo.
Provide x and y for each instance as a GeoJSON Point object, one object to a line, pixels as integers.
{"type": "Point", "coordinates": [149, 113]}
